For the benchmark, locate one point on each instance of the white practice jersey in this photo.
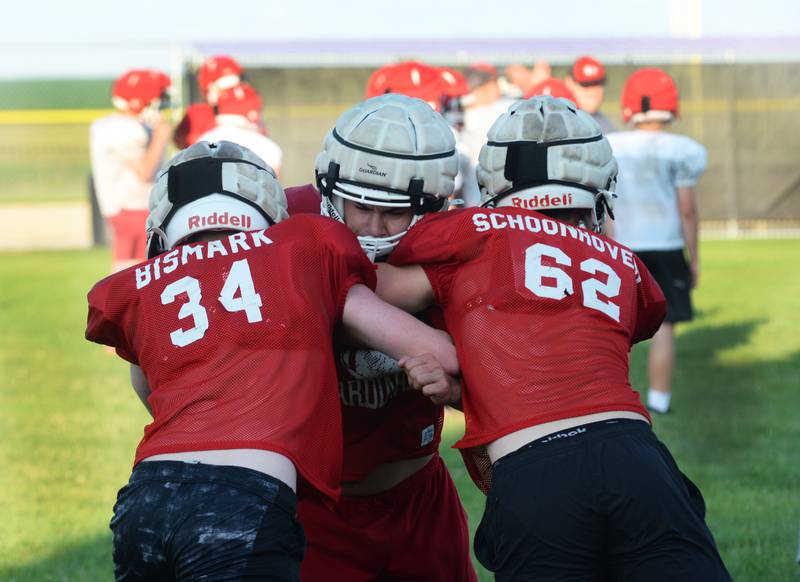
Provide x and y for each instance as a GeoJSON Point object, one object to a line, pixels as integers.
{"type": "Point", "coordinates": [115, 143]}
{"type": "Point", "coordinates": [477, 121]}
{"type": "Point", "coordinates": [652, 165]}
{"type": "Point", "coordinates": [261, 145]}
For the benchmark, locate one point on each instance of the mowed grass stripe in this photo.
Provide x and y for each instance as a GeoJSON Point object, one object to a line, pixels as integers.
{"type": "Point", "coordinates": [70, 421]}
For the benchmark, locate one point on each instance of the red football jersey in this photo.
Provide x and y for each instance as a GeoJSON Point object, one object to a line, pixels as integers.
{"type": "Point", "coordinates": [543, 315]}
{"type": "Point", "coordinates": [385, 419]}
{"type": "Point", "coordinates": [235, 338]}
{"type": "Point", "coordinates": [303, 200]}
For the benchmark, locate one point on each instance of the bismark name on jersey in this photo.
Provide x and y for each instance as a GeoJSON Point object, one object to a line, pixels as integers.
{"type": "Point", "coordinates": [231, 245]}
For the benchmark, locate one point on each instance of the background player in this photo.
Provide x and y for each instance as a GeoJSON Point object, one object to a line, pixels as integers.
{"type": "Point", "coordinates": [657, 212]}
{"type": "Point", "coordinates": [443, 89]}
{"type": "Point", "coordinates": [226, 334]}
{"type": "Point", "coordinates": [239, 119]}
{"type": "Point", "coordinates": [387, 162]}
{"type": "Point", "coordinates": [482, 106]}
{"type": "Point", "coordinates": [587, 82]}
{"type": "Point", "coordinates": [543, 313]}
{"type": "Point", "coordinates": [216, 74]}
{"type": "Point", "coordinates": [126, 150]}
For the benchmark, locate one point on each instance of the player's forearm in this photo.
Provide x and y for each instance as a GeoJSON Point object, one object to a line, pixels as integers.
{"type": "Point", "coordinates": [147, 166]}
{"type": "Point", "coordinates": [690, 222]}
{"type": "Point", "coordinates": [392, 331]}
{"type": "Point", "coordinates": [690, 235]}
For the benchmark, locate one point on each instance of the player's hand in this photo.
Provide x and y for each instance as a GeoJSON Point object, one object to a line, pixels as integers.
{"type": "Point", "coordinates": [426, 374]}
{"type": "Point", "coordinates": [694, 270]}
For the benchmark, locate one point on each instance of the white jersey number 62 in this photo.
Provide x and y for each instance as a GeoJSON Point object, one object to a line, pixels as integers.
{"type": "Point", "coordinates": [536, 272]}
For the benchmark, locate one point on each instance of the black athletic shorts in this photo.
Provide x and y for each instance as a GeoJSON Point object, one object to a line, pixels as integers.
{"type": "Point", "coordinates": [191, 521]}
{"type": "Point", "coordinates": [671, 272]}
{"type": "Point", "coordinates": [600, 502]}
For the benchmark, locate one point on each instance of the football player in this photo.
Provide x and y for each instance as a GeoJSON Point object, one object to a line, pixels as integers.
{"type": "Point", "coordinates": [440, 87]}
{"type": "Point", "coordinates": [388, 162]}
{"type": "Point", "coordinates": [239, 119]}
{"type": "Point", "coordinates": [126, 150]}
{"type": "Point", "coordinates": [544, 309]}
{"type": "Point", "coordinates": [215, 75]}
{"type": "Point", "coordinates": [587, 81]}
{"type": "Point", "coordinates": [552, 87]}
{"type": "Point", "coordinates": [227, 328]}
{"type": "Point", "coordinates": [658, 215]}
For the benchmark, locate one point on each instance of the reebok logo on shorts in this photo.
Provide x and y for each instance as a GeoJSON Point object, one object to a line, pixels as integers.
{"type": "Point", "coordinates": [562, 435]}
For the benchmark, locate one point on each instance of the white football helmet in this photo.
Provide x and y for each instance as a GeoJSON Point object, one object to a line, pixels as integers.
{"type": "Point", "coordinates": [545, 153]}
{"type": "Point", "coordinates": [222, 186]}
{"type": "Point", "coordinates": [392, 151]}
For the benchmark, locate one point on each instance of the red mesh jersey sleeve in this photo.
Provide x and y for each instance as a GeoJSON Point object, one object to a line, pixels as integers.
{"type": "Point", "coordinates": [652, 307]}
{"type": "Point", "coordinates": [104, 322]}
{"type": "Point", "coordinates": [303, 200]}
{"type": "Point", "coordinates": [348, 265]}
{"type": "Point", "coordinates": [433, 244]}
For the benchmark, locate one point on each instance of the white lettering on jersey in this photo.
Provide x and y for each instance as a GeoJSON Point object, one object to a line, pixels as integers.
{"type": "Point", "coordinates": [260, 238]}
{"type": "Point", "coordinates": [170, 261]}
{"type": "Point", "coordinates": [499, 221]}
{"type": "Point", "coordinates": [143, 276]}
{"type": "Point", "coordinates": [552, 282]}
{"type": "Point", "coordinates": [216, 247]}
{"type": "Point", "coordinates": [238, 280]}
{"type": "Point", "coordinates": [237, 240]}
{"type": "Point", "coordinates": [374, 393]}
{"type": "Point", "coordinates": [188, 251]}
{"type": "Point", "coordinates": [182, 255]}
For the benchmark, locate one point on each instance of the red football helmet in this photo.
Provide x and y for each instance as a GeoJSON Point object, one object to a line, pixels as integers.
{"type": "Point", "coordinates": [410, 78]}
{"type": "Point", "coordinates": [434, 85]}
{"type": "Point", "coordinates": [649, 95]}
{"type": "Point", "coordinates": [241, 100]}
{"type": "Point", "coordinates": [553, 87]}
{"type": "Point", "coordinates": [217, 73]}
{"type": "Point", "coordinates": [454, 83]}
{"type": "Point", "coordinates": [136, 89]}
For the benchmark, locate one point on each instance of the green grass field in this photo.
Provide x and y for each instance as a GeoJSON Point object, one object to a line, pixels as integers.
{"type": "Point", "coordinates": [70, 422]}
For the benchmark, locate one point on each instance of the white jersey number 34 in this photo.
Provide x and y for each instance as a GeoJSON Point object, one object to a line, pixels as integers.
{"type": "Point", "coordinates": [536, 272]}
{"type": "Point", "coordinates": [238, 279]}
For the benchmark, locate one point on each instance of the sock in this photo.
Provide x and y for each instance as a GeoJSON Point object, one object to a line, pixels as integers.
{"type": "Point", "coordinates": [658, 401]}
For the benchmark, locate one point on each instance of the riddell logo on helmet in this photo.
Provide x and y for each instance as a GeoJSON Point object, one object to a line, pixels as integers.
{"type": "Point", "coordinates": [219, 219]}
{"type": "Point", "coordinates": [372, 169]}
{"type": "Point", "coordinates": [546, 201]}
